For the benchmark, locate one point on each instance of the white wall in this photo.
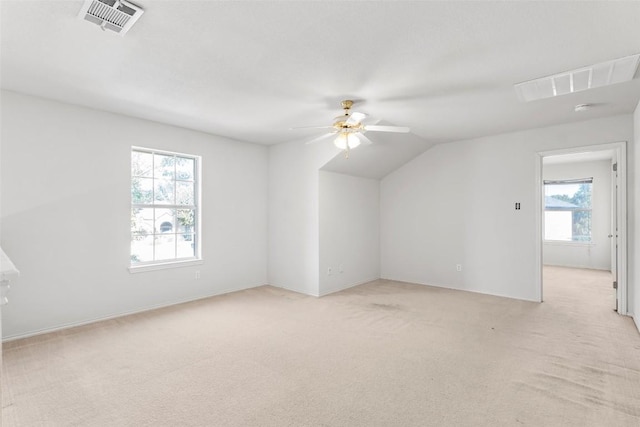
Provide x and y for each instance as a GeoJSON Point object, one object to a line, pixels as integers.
{"type": "Point", "coordinates": [349, 231]}
{"type": "Point", "coordinates": [634, 221]}
{"type": "Point", "coordinates": [597, 254]}
{"type": "Point", "coordinates": [294, 235]}
{"type": "Point", "coordinates": [0, 245]}
{"type": "Point", "coordinates": [454, 204]}
{"type": "Point", "coordinates": [65, 214]}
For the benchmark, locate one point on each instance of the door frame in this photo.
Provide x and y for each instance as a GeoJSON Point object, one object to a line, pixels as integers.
{"type": "Point", "coordinates": [620, 148]}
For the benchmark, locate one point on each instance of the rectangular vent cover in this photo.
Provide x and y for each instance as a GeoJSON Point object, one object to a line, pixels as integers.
{"type": "Point", "coordinates": [598, 75]}
{"type": "Point", "coordinates": [114, 15]}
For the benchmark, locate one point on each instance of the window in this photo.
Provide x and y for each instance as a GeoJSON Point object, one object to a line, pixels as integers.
{"type": "Point", "coordinates": [567, 210]}
{"type": "Point", "coordinates": [164, 207]}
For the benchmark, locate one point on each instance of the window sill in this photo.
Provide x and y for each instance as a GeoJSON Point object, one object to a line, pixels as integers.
{"type": "Point", "coordinates": [566, 243]}
{"type": "Point", "coordinates": [164, 265]}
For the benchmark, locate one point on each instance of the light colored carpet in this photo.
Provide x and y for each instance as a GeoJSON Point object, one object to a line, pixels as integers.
{"type": "Point", "coordinates": [380, 354]}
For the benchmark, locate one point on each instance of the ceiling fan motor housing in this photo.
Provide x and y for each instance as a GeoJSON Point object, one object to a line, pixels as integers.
{"type": "Point", "coordinates": [347, 104]}
{"type": "Point", "coordinates": [341, 122]}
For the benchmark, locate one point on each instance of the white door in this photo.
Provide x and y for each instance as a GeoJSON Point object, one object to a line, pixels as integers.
{"type": "Point", "coordinates": [613, 235]}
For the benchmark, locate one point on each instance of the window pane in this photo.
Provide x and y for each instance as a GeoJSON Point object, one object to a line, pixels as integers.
{"type": "Point", "coordinates": [581, 230]}
{"type": "Point", "coordinates": [184, 193]}
{"type": "Point", "coordinates": [186, 245]}
{"type": "Point", "coordinates": [568, 211]}
{"type": "Point", "coordinates": [163, 191]}
{"type": "Point", "coordinates": [185, 168]}
{"type": "Point", "coordinates": [141, 164]}
{"type": "Point", "coordinates": [164, 166]}
{"type": "Point", "coordinates": [568, 195]}
{"type": "Point", "coordinates": [186, 220]}
{"type": "Point", "coordinates": [141, 249]}
{"type": "Point", "coordinates": [141, 190]}
{"type": "Point", "coordinates": [163, 233]}
{"type": "Point", "coordinates": [165, 246]}
{"type": "Point", "coordinates": [142, 221]}
{"type": "Point", "coordinates": [557, 225]}
{"type": "Point", "coordinates": [165, 221]}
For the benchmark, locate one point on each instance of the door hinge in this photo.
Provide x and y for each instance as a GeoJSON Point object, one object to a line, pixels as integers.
{"type": "Point", "coordinates": [615, 167]}
{"type": "Point", "coordinates": [615, 285]}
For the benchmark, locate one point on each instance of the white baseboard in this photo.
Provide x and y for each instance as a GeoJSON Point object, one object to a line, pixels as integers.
{"type": "Point", "coordinates": [298, 291]}
{"type": "Point", "coordinates": [453, 288]}
{"type": "Point", "coordinates": [120, 314]}
{"type": "Point", "coordinates": [583, 267]}
{"type": "Point", "coordinates": [636, 320]}
{"type": "Point", "coordinates": [330, 291]}
{"type": "Point", "coordinates": [347, 286]}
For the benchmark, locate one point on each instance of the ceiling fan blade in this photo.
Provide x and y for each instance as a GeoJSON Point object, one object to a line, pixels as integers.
{"type": "Point", "coordinates": [372, 121]}
{"type": "Point", "coordinates": [365, 140]}
{"type": "Point", "coordinates": [378, 128]}
{"type": "Point", "coordinates": [312, 127]}
{"type": "Point", "coordinates": [320, 138]}
{"type": "Point", "coordinates": [355, 118]}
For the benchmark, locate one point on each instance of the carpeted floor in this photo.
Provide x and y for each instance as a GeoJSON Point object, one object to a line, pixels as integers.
{"type": "Point", "coordinates": [380, 354]}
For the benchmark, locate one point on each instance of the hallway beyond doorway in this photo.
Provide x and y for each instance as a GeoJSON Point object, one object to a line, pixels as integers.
{"type": "Point", "coordinates": [579, 290]}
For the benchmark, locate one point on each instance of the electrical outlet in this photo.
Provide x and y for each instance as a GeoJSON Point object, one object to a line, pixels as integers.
{"type": "Point", "coordinates": [458, 267]}
{"type": "Point", "coordinates": [197, 274]}
{"type": "Point", "coordinates": [329, 271]}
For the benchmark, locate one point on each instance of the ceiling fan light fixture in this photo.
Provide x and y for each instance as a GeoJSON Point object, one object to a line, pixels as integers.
{"type": "Point", "coordinates": [349, 129]}
{"type": "Point", "coordinates": [346, 140]}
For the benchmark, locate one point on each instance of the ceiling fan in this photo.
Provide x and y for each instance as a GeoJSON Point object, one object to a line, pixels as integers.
{"type": "Point", "coordinates": [350, 129]}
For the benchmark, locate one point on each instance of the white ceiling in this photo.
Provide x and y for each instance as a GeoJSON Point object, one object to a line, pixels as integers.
{"type": "Point", "coordinates": [251, 70]}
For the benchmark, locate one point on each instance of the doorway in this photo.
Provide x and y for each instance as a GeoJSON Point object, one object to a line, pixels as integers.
{"type": "Point", "coordinates": [581, 213]}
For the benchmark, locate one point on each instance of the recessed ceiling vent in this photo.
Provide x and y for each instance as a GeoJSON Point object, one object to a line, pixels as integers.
{"type": "Point", "coordinates": [114, 15]}
{"type": "Point", "coordinates": [597, 75]}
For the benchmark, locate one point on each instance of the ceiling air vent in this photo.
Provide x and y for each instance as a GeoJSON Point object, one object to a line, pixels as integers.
{"type": "Point", "coordinates": [114, 15]}
{"type": "Point", "coordinates": [597, 75]}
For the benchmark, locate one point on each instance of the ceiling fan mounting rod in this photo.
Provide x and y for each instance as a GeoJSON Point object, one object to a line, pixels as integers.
{"type": "Point", "coordinates": [346, 105]}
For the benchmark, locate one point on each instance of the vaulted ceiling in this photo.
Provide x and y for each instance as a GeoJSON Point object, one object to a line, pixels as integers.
{"type": "Point", "coordinates": [251, 70]}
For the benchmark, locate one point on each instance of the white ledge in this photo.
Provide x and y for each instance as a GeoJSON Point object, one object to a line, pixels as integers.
{"type": "Point", "coordinates": [567, 243]}
{"type": "Point", "coordinates": [164, 265]}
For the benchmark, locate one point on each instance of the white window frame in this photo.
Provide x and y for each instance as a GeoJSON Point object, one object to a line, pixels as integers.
{"type": "Point", "coordinates": [545, 210]}
{"type": "Point", "coordinates": [177, 262]}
